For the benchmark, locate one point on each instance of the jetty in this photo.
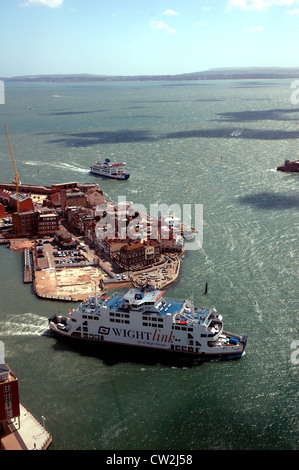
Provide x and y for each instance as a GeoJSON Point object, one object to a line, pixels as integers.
{"type": "Point", "coordinates": [26, 433]}
{"type": "Point", "coordinates": [28, 269]}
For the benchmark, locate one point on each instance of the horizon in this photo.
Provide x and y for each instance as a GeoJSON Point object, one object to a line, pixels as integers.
{"type": "Point", "coordinates": [267, 71]}
{"type": "Point", "coordinates": [113, 38]}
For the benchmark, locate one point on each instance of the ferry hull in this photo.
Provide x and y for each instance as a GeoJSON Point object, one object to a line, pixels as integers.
{"type": "Point", "coordinates": [143, 319]}
{"type": "Point", "coordinates": [167, 352]}
{"type": "Point", "coordinates": [292, 167]}
{"type": "Point", "coordinates": [114, 177]}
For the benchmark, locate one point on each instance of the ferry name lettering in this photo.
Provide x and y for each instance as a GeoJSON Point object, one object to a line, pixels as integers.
{"type": "Point", "coordinates": [162, 337]}
{"type": "Point", "coordinates": [144, 335]}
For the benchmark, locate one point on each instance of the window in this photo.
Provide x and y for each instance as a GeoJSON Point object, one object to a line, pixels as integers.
{"type": "Point", "coordinates": [8, 405]}
{"type": "Point", "coordinates": [7, 398]}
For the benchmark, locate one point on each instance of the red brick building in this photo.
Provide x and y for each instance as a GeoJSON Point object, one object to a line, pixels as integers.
{"type": "Point", "coordinates": [4, 196]}
{"type": "Point", "coordinates": [139, 255]}
{"type": "Point", "coordinates": [72, 198]}
{"type": "Point", "coordinates": [2, 211]}
{"type": "Point", "coordinates": [25, 223]}
{"type": "Point", "coordinates": [9, 395]}
{"type": "Point", "coordinates": [25, 202]}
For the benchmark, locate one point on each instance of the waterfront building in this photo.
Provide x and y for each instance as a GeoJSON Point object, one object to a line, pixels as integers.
{"type": "Point", "coordinates": [95, 197]}
{"type": "Point", "coordinates": [19, 429]}
{"type": "Point", "coordinates": [2, 211]}
{"type": "Point", "coordinates": [47, 223]}
{"type": "Point", "coordinates": [25, 202]}
{"type": "Point", "coordinates": [72, 198]}
{"type": "Point", "coordinates": [138, 254]}
{"type": "Point", "coordinates": [25, 223]}
{"type": "Point", "coordinates": [9, 396]}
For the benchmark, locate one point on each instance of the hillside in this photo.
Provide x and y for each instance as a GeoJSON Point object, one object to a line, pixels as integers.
{"type": "Point", "coordinates": [212, 74]}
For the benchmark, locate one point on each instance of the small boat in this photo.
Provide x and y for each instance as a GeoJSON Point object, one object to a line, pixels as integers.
{"type": "Point", "coordinates": [143, 318]}
{"type": "Point", "coordinates": [289, 166]}
{"type": "Point", "coordinates": [109, 170]}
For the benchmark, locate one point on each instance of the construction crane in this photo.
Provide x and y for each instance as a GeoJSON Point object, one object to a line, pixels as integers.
{"type": "Point", "coordinates": [16, 180]}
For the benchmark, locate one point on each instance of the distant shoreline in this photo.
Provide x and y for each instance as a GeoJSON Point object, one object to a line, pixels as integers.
{"type": "Point", "coordinates": [245, 73]}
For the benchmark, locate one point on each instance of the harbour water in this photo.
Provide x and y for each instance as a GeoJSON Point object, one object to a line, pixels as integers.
{"type": "Point", "coordinates": [215, 143]}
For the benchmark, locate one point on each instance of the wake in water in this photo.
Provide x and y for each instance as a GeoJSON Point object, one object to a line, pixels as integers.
{"type": "Point", "coordinates": [27, 324]}
{"type": "Point", "coordinates": [69, 167]}
{"type": "Point", "coordinates": [236, 133]}
{"type": "Point", "coordinates": [32, 163]}
{"type": "Point", "coordinates": [60, 166]}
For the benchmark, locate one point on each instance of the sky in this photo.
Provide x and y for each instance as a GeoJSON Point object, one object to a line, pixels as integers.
{"type": "Point", "coordinates": [145, 37]}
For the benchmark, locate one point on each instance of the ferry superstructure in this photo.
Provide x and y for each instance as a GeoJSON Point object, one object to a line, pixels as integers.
{"type": "Point", "coordinates": [142, 317]}
{"type": "Point", "coordinates": [110, 169]}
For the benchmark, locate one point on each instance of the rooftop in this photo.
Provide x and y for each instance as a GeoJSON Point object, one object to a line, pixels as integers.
{"type": "Point", "coordinates": [22, 197]}
{"type": "Point", "coordinates": [3, 367]}
{"type": "Point", "coordinates": [137, 297]}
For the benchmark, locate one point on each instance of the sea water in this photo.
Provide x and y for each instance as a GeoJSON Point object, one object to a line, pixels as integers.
{"type": "Point", "coordinates": [215, 143]}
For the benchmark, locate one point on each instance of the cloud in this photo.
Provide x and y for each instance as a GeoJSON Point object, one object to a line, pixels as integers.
{"type": "Point", "coordinates": [46, 3]}
{"type": "Point", "coordinates": [294, 12]}
{"type": "Point", "coordinates": [252, 29]}
{"type": "Point", "coordinates": [170, 12]}
{"type": "Point", "coordinates": [160, 25]}
{"type": "Point", "coordinates": [257, 4]}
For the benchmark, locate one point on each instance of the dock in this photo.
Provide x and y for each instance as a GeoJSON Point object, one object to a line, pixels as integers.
{"type": "Point", "coordinates": [74, 282]}
{"type": "Point", "coordinates": [27, 433]}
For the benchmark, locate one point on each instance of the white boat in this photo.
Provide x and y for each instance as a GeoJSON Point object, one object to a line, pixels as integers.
{"type": "Point", "coordinates": [110, 170]}
{"type": "Point", "coordinates": [142, 317]}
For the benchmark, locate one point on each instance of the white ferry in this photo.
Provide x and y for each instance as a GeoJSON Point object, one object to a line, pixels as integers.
{"type": "Point", "coordinates": [110, 170]}
{"type": "Point", "coordinates": [142, 317]}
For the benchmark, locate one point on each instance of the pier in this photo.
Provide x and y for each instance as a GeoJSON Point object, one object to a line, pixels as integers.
{"type": "Point", "coordinates": [28, 269]}
{"type": "Point", "coordinates": [26, 433]}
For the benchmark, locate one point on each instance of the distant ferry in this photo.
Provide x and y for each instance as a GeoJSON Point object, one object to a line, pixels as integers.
{"type": "Point", "coordinates": [142, 317]}
{"type": "Point", "coordinates": [289, 166]}
{"type": "Point", "coordinates": [110, 170]}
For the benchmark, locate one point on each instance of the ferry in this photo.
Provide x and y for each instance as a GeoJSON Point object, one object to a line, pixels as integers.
{"type": "Point", "coordinates": [143, 318]}
{"type": "Point", "coordinates": [109, 170]}
{"type": "Point", "coordinates": [289, 166]}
